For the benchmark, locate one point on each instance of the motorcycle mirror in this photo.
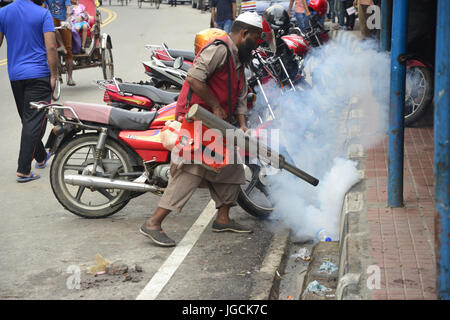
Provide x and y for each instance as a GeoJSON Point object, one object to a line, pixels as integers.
{"type": "Point", "coordinates": [178, 63]}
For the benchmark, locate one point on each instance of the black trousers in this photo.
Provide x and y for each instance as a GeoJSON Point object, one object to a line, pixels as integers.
{"type": "Point", "coordinates": [173, 2]}
{"type": "Point", "coordinates": [350, 19]}
{"type": "Point", "coordinates": [33, 122]}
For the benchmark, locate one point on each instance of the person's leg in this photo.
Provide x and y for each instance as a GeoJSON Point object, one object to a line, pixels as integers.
{"type": "Point", "coordinates": [33, 124]}
{"type": "Point", "coordinates": [362, 19]}
{"type": "Point", "coordinates": [332, 12]}
{"type": "Point", "coordinates": [350, 23]}
{"type": "Point", "coordinates": [342, 14]}
{"type": "Point", "coordinates": [300, 17]}
{"type": "Point", "coordinates": [225, 196]}
{"type": "Point", "coordinates": [67, 39]}
{"type": "Point", "coordinates": [178, 192]}
{"type": "Point", "coordinates": [227, 25]}
{"type": "Point", "coordinates": [84, 35]}
{"type": "Point", "coordinates": [57, 23]}
{"type": "Point", "coordinates": [220, 24]}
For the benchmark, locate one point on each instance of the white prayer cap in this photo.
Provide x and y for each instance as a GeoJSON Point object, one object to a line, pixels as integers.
{"type": "Point", "coordinates": [250, 18]}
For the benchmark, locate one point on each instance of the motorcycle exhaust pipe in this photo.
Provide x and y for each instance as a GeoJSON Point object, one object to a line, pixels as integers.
{"type": "Point", "coordinates": [106, 183]}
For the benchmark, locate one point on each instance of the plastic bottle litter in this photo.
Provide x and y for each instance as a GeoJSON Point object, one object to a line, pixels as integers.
{"type": "Point", "coordinates": [328, 267]}
{"type": "Point", "coordinates": [316, 288]}
{"type": "Point", "coordinates": [322, 235]}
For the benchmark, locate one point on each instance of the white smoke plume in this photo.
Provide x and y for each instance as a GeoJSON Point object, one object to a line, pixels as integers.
{"type": "Point", "coordinates": [347, 105]}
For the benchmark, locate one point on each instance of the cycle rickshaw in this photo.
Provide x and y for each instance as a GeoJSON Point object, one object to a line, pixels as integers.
{"type": "Point", "coordinates": [97, 54]}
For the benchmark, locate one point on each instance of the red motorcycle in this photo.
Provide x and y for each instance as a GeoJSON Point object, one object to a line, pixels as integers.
{"type": "Point", "coordinates": [105, 156]}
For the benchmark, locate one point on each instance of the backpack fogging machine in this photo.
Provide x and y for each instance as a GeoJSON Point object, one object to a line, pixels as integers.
{"type": "Point", "coordinates": [251, 145]}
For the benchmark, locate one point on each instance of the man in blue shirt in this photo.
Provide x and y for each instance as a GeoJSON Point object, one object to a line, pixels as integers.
{"type": "Point", "coordinates": [58, 9]}
{"type": "Point", "coordinates": [32, 69]}
{"type": "Point", "coordinates": [223, 13]}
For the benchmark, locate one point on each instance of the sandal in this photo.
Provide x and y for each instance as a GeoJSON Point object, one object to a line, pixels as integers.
{"type": "Point", "coordinates": [31, 177]}
{"type": "Point", "coordinates": [44, 164]}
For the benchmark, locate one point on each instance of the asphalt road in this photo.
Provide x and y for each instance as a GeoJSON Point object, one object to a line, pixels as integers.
{"type": "Point", "coordinates": [40, 241]}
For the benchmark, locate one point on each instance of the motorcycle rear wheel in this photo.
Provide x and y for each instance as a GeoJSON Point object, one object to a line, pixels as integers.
{"type": "Point", "coordinates": [419, 93]}
{"type": "Point", "coordinates": [71, 159]}
{"type": "Point", "coordinates": [253, 195]}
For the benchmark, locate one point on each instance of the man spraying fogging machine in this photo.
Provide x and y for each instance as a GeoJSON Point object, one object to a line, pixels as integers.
{"type": "Point", "coordinates": [217, 82]}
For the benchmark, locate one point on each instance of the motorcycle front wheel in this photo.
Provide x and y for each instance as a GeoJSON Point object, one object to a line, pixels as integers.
{"type": "Point", "coordinates": [253, 195]}
{"type": "Point", "coordinates": [77, 157]}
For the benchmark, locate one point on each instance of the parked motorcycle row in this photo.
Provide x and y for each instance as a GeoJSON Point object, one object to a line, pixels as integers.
{"type": "Point", "coordinates": [105, 155]}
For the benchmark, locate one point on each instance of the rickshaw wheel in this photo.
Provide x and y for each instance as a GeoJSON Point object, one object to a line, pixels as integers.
{"type": "Point", "coordinates": [57, 91]}
{"type": "Point", "coordinates": [107, 64]}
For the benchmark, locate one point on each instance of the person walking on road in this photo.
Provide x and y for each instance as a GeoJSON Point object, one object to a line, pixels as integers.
{"type": "Point", "coordinates": [220, 62]}
{"type": "Point", "coordinates": [302, 13]}
{"type": "Point", "coordinates": [223, 13]}
{"type": "Point", "coordinates": [173, 3]}
{"type": "Point", "coordinates": [61, 13]}
{"type": "Point", "coordinates": [32, 62]}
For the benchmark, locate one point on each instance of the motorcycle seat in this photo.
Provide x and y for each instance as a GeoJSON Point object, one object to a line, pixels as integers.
{"type": "Point", "coordinates": [156, 95]}
{"type": "Point", "coordinates": [188, 55]}
{"type": "Point", "coordinates": [104, 114]}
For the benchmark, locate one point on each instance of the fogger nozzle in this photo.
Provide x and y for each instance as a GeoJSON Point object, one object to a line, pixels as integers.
{"type": "Point", "coordinates": [251, 145]}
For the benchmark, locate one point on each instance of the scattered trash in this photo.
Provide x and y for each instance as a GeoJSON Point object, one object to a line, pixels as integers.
{"type": "Point", "coordinates": [290, 297]}
{"type": "Point", "coordinates": [138, 268]}
{"type": "Point", "coordinates": [101, 265]}
{"type": "Point", "coordinates": [325, 259]}
{"type": "Point", "coordinates": [330, 295]}
{"type": "Point", "coordinates": [100, 273]}
{"type": "Point", "coordinates": [316, 288]}
{"type": "Point", "coordinates": [117, 268]}
{"type": "Point", "coordinates": [303, 254]}
{"type": "Point", "coordinates": [328, 267]}
{"type": "Point", "coordinates": [128, 277]}
{"type": "Point", "coordinates": [243, 273]}
{"type": "Point", "coordinates": [278, 274]}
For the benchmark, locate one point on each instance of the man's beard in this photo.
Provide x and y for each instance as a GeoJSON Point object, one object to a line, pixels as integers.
{"type": "Point", "coordinates": [245, 50]}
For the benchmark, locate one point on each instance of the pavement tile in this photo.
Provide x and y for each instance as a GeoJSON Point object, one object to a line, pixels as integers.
{"type": "Point", "coordinates": [402, 238]}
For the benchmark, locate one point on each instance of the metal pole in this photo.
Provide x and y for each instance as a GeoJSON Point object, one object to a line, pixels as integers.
{"type": "Point", "coordinates": [397, 104]}
{"type": "Point", "coordinates": [386, 25]}
{"type": "Point", "coordinates": [441, 147]}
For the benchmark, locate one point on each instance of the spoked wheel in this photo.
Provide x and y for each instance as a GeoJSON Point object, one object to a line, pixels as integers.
{"type": "Point", "coordinates": [254, 196]}
{"type": "Point", "coordinates": [419, 92]}
{"type": "Point", "coordinates": [57, 91]}
{"type": "Point", "coordinates": [77, 158]}
{"type": "Point", "coordinates": [107, 64]}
